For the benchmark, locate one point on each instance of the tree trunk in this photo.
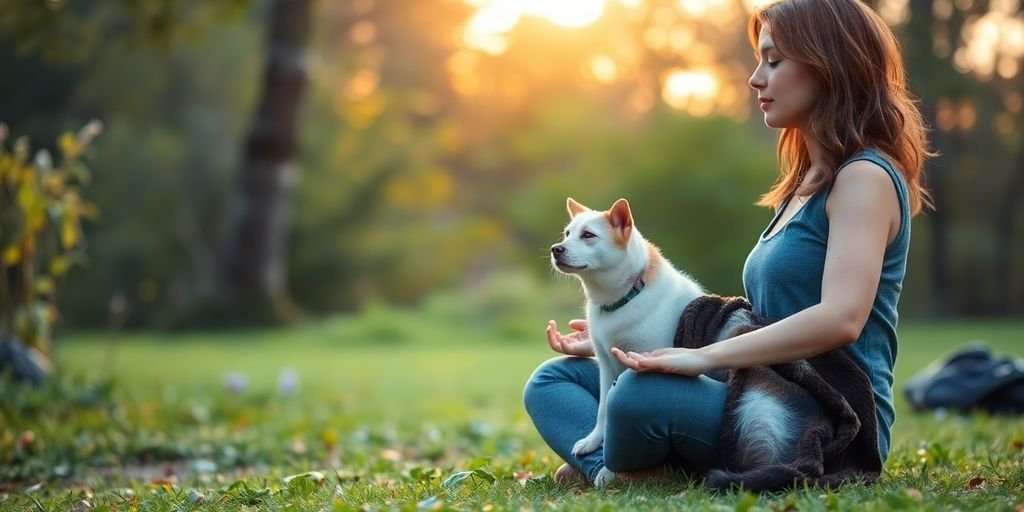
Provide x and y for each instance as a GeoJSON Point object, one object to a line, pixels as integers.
{"type": "Point", "coordinates": [1006, 216]}
{"type": "Point", "coordinates": [932, 81]}
{"type": "Point", "coordinates": [938, 222]}
{"type": "Point", "coordinates": [254, 259]}
{"type": "Point", "coordinates": [936, 173]}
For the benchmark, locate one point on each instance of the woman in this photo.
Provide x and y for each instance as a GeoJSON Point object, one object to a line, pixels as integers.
{"type": "Point", "coordinates": [827, 270]}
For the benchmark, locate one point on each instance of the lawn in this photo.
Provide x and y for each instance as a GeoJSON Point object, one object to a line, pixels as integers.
{"type": "Point", "coordinates": [339, 415]}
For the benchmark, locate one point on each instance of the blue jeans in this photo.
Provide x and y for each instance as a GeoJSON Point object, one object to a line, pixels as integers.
{"type": "Point", "coordinates": [652, 417]}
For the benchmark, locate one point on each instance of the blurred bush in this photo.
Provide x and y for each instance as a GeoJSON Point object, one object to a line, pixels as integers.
{"type": "Point", "coordinates": [41, 213]}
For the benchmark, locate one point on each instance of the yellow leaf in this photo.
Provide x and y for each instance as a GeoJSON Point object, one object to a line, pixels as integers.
{"type": "Point", "coordinates": [32, 206]}
{"type": "Point", "coordinates": [53, 184]}
{"type": "Point", "coordinates": [88, 211]}
{"type": "Point", "coordinates": [6, 164]}
{"type": "Point", "coordinates": [69, 233]}
{"type": "Point", "coordinates": [44, 285]}
{"type": "Point", "coordinates": [12, 255]}
{"type": "Point", "coordinates": [59, 266]}
{"type": "Point", "coordinates": [69, 146]}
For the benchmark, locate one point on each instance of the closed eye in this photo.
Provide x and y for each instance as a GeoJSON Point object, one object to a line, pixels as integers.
{"type": "Point", "coordinates": [587, 234]}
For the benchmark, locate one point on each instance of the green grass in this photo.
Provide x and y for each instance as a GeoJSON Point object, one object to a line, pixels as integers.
{"type": "Point", "coordinates": [398, 412]}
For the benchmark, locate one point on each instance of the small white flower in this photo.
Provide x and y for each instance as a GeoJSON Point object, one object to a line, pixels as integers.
{"type": "Point", "coordinates": [236, 382]}
{"type": "Point", "coordinates": [288, 382]}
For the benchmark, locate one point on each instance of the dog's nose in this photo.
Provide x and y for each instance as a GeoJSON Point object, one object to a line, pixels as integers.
{"type": "Point", "coordinates": [557, 250]}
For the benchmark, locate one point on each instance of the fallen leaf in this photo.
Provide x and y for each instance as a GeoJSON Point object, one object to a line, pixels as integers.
{"type": "Point", "coordinates": [82, 506]}
{"type": "Point", "coordinates": [522, 477]}
{"type": "Point", "coordinates": [35, 487]}
{"type": "Point", "coordinates": [974, 483]}
{"type": "Point", "coordinates": [164, 482]}
{"type": "Point", "coordinates": [26, 439]}
{"type": "Point", "coordinates": [431, 503]}
{"type": "Point", "coordinates": [313, 476]}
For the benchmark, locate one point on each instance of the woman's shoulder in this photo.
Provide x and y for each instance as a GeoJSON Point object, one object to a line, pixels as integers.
{"type": "Point", "coordinates": [863, 188]}
{"type": "Point", "coordinates": [871, 164]}
{"type": "Point", "coordinates": [862, 177]}
{"type": "Point", "coordinates": [873, 155]}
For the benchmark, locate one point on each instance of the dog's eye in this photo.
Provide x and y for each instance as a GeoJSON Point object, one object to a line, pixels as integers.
{"type": "Point", "coordinates": [566, 234]}
{"type": "Point", "coordinates": [588, 234]}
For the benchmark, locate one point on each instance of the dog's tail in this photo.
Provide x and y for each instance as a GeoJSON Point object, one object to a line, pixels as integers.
{"type": "Point", "coordinates": [768, 478]}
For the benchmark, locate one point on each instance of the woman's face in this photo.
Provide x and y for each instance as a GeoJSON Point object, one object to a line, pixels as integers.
{"type": "Point", "coordinates": [787, 90]}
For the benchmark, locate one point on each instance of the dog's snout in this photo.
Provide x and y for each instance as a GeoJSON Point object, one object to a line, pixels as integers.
{"type": "Point", "coordinates": [557, 249]}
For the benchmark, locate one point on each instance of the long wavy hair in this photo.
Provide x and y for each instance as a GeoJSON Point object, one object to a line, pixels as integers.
{"type": "Point", "coordinates": [864, 98]}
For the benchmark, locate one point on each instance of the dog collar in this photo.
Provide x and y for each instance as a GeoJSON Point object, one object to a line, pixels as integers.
{"type": "Point", "coordinates": [638, 285]}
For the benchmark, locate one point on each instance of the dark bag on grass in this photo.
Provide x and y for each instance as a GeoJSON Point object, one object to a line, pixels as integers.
{"type": "Point", "coordinates": [971, 378]}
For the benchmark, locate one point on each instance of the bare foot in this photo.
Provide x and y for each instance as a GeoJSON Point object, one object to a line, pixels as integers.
{"type": "Point", "coordinates": [567, 475]}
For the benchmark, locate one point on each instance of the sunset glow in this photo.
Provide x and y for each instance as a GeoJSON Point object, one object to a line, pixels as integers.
{"type": "Point", "coordinates": [685, 35]}
{"type": "Point", "coordinates": [496, 16]}
{"type": "Point", "coordinates": [674, 31]}
{"type": "Point", "coordinates": [690, 90]}
{"type": "Point", "coordinates": [994, 45]}
{"type": "Point", "coordinates": [487, 29]}
{"type": "Point", "coordinates": [567, 13]}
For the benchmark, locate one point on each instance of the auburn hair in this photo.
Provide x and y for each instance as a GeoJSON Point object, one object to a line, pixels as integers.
{"type": "Point", "coordinates": [864, 99]}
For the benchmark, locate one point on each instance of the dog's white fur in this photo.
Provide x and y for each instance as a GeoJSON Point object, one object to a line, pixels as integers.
{"type": "Point", "coordinates": [766, 429]}
{"type": "Point", "coordinates": [607, 253]}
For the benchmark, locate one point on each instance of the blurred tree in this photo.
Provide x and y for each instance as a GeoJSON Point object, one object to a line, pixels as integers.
{"type": "Point", "coordinates": [964, 61]}
{"type": "Point", "coordinates": [442, 137]}
{"type": "Point", "coordinates": [254, 265]}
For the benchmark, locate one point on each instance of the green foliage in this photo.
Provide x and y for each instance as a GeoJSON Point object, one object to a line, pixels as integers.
{"type": "Point", "coordinates": [169, 154]}
{"type": "Point", "coordinates": [41, 213]}
{"type": "Point", "coordinates": [66, 30]}
{"type": "Point", "coordinates": [408, 185]}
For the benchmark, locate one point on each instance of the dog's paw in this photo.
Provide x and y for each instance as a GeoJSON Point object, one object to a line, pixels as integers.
{"type": "Point", "coordinates": [586, 445]}
{"type": "Point", "coordinates": [604, 477]}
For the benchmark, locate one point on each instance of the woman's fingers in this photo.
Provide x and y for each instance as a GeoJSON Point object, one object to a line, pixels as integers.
{"type": "Point", "coordinates": [560, 343]}
{"type": "Point", "coordinates": [624, 358]}
{"type": "Point", "coordinates": [631, 359]}
{"type": "Point", "coordinates": [554, 340]}
{"type": "Point", "coordinates": [578, 324]}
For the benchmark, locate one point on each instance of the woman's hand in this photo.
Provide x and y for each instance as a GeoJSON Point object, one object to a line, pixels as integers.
{"type": "Point", "coordinates": [575, 344]}
{"type": "Point", "coordinates": [681, 361]}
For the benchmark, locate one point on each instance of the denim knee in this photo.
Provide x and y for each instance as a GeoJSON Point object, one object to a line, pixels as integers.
{"type": "Point", "coordinates": [630, 399]}
{"type": "Point", "coordinates": [552, 370]}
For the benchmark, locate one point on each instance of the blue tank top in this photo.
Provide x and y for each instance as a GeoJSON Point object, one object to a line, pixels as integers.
{"type": "Point", "coordinates": [783, 275]}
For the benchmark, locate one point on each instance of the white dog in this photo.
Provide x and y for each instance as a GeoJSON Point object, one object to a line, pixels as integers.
{"type": "Point", "coordinates": [634, 295]}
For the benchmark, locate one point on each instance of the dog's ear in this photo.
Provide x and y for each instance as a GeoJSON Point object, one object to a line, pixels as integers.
{"type": "Point", "coordinates": [574, 207]}
{"type": "Point", "coordinates": [621, 218]}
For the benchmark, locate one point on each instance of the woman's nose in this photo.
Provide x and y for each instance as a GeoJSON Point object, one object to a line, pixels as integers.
{"type": "Point", "coordinates": [756, 81]}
